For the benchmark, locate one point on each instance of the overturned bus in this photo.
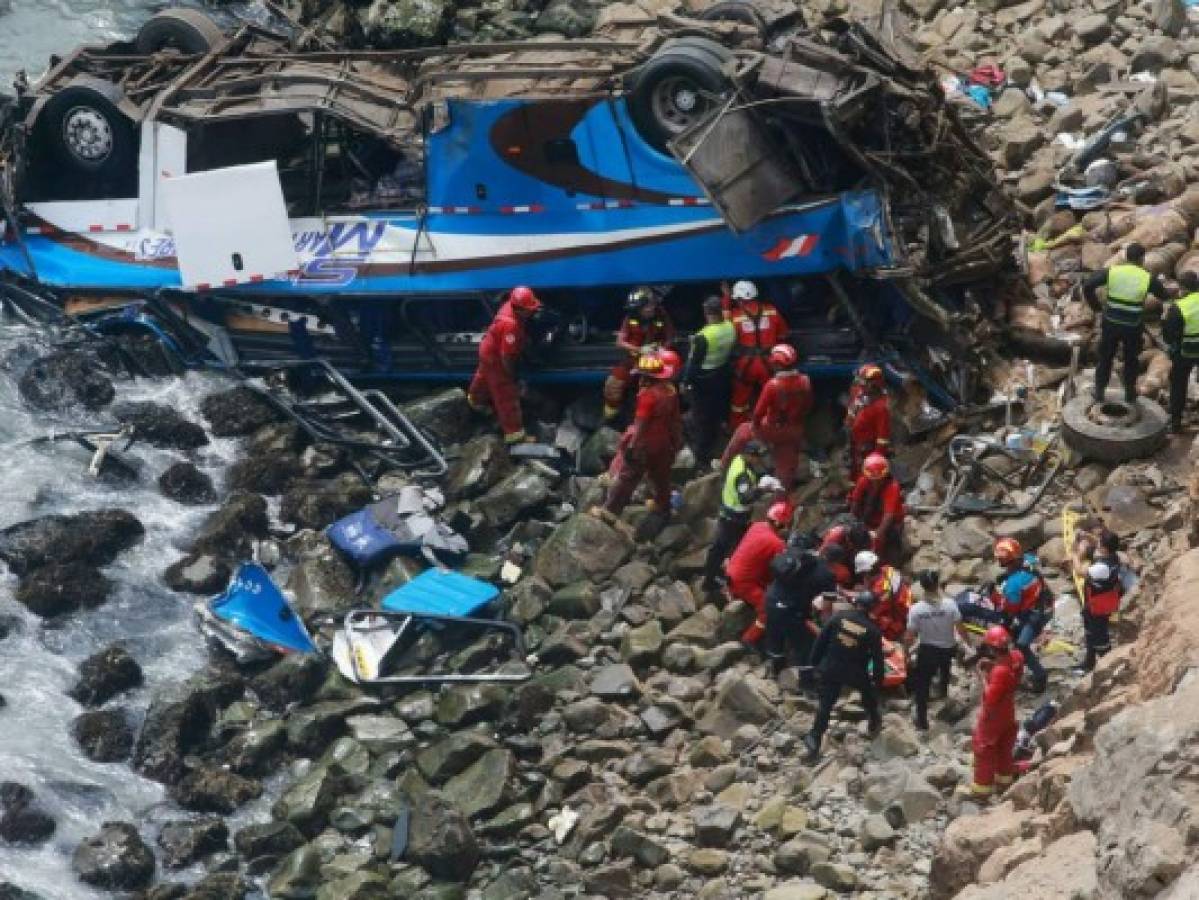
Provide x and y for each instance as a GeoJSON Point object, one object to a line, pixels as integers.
{"type": "Point", "coordinates": [267, 199]}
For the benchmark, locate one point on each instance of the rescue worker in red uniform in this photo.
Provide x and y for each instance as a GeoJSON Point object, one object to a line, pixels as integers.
{"type": "Point", "coordinates": [995, 732]}
{"type": "Point", "coordinates": [760, 326]}
{"type": "Point", "coordinates": [850, 539]}
{"type": "Point", "coordinates": [892, 592]}
{"type": "Point", "coordinates": [877, 501]}
{"type": "Point", "coordinates": [495, 383]}
{"type": "Point", "coordinates": [749, 566]}
{"type": "Point", "coordinates": [646, 326]}
{"type": "Point", "coordinates": [648, 447]}
{"type": "Point", "coordinates": [868, 418]}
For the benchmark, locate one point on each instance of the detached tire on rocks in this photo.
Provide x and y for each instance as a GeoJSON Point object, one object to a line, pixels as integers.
{"type": "Point", "coordinates": [186, 30]}
{"type": "Point", "coordinates": [1113, 431]}
{"type": "Point", "coordinates": [740, 11]}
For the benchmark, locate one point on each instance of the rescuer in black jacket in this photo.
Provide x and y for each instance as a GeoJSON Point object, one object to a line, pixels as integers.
{"type": "Point", "coordinates": [800, 576]}
{"type": "Point", "coordinates": [848, 653]}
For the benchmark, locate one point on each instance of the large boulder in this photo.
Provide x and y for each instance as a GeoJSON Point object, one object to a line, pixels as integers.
{"type": "Point", "coordinates": [525, 489]}
{"type": "Point", "coordinates": [440, 839]}
{"type": "Point", "coordinates": [214, 790]}
{"type": "Point", "coordinates": [184, 483]}
{"type": "Point", "coordinates": [61, 588]}
{"type": "Point", "coordinates": [582, 546]}
{"type": "Point", "coordinates": [104, 735]}
{"type": "Point", "coordinates": [237, 412]}
{"type": "Point", "coordinates": [446, 415]}
{"type": "Point", "coordinates": [317, 504]}
{"type": "Point", "coordinates": [321, 581]}
{"type": "Point", "coordinates": [105, 674]}
{"type": "Point", "coordinates": [268, 839]}
{"type": "Point", "coordinates": [116, 859]}
{"type": "Point", "coordinates": [22, 819]}
{"type": "Point", "coordinates": [64, 379]}
{"type": "Point", "coordinates": [483, 787]}
{"type": "Point", "coordinates": [198, 573]}
{"type": "Point", "coordinates": [177, 722]}
{"type": "Point", "coordinates": [967, 843]}
{"type": "Point", "coordinates": [94, 537]}
{"type": "Point", "coordinates": [306, 803]}
{"type": "Point", "coordinates": [161, 425]}
{"type": "Point", "coordinates": [480, 464]}
{"type": "Point", "coordinates": [187, 841]}
{"type": "Point", "coordinates": [229, 532]}
{"type": "Point", "coordinates": [1065, 869]}
{"type": "Point", "coordinates": [1168, 645]}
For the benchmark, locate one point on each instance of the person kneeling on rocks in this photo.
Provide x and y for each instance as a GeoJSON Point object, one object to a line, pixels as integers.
{"type": "Point", "coordinates": [848, 653]}
{"type": "Point", "coordinates": [999, 672]}
{"type": "Point", "coordinates": [935, 621]}
{"type": "Point", "coordinates": [800, 576]}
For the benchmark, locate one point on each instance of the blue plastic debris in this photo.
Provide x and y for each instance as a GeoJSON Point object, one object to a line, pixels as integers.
{"type": "Point", "coordinates": [261, 617]}
{"type": "Point", "coordinates": [441, 592]}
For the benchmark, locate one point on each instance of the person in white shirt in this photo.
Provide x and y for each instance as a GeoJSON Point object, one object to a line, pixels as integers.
{"type": "Point", "coordinates": [935, 621]}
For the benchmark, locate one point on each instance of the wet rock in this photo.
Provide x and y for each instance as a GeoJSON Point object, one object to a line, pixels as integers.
{"type": "Point", "coordinates": [440, 839]}
{"type": "Point", "coordinates": [184, 483]}
{"type": "Point", "coordinates": [214, 790]}
{"type": "Point", "coordinates": [614, 880]}
{"type": "Point", "coordinates": [644, 849]}
{"type": "Point", "coordinates": [65, 379]}
{"type": "Point", "coordinates": [219, 886]}
{"type": "Point", "coordinates": [263, 473]}
{"type": "Point", "coordinates": [615, 682]}
{"type": "Point", "coordinates": [229, 532]}
{"type": "Point", "coordinates": [9, 891]}
{"type": "Point", "coordinates": [237, 412]}
{"type": "Point", "coordinates": [298, 876]}
{"type": "Point", "coordinates": [583, 545]}
{"type": "Point", "coordinates": [480, 465]}
{"type": "Point", "coordinates": [317, 504]}
{"type": "Point", "coordinates": [190, 840]}
{"type": "Point", "coordinates": [103, 735]}
{"type": "Point", "coordinates": [597, 451]}
{"type": "Point", "coordinates": [161, 425]}
{"type": "Point", "coordinates": [116, 859]}
{"type": "Point", "coordinates": [523, 490]}
{"type": "Point", "coordinates": [95, 537]}
{"type": "Point", "coordinates": [22, 819]}
{"type": "Point", "coordinates": [60, 589]}
{"type": "Point", "coordinates": [308, 800]}
{"type": "Point", "coordinates": [322, 581]}
{"type": "Point", "coordinates": [358, 886]}
{"type": "Point", "coordinates": [452, 754]}
{"type": "Point", "coordinates": [294, 679]}
{"type": "Point", "coordinates": [105, 674]}
{"type": "Point", "coordinates": [483, 786]}
{"type": "Point", "coordinates": [311, 729]}
{"type": "Point", "coordinates": [445, 415]}
{"type": "Point", "coordinates": [466, 704]}
{"type": "Point", "coordinates": [580, 600]}
{"type": "Point", "coordinates": [528, 599]}
{"type": "Point", "coordinates": [267, 839]}
{"type": "Point", "coordinates": [198, 573]}
{"type": "Point", "coordinates": [177, 721]}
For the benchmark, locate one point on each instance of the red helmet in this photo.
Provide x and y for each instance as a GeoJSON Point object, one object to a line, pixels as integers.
{"type": "Point", "coordinates": [779, 514]}
{"type": "Point", "coordinates": [870, 372]}
{"type": "Point", "coordinates": [522, 297]}
{"type": "Point", "coordinates": [876, 467]}
{"type": "Point", "coordinates": [783, 356]}
{"type": "Point", "coordinates": [660, 364]}
{"type": "Point", "coordinates": [1008, 550]}
{"type": "Point", "coordinates": [997, 638]}
{"type": "Point", "coordinates": [671, 363]}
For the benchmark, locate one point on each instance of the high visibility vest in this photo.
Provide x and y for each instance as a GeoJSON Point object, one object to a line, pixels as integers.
{"type": "Point", "coordinates": [720, 339]}
{"type": "Point", "coordinates": [1189, 307]}
{"type": "Point", "coordinates": [1127, 286]}
{"type": "Point", "coordinates": [729, 498]}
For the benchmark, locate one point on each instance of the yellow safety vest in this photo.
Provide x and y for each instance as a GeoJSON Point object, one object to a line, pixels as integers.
{"type": "Point", "coordinates": [1189, 307]}
{"type": "Point", "coordinates": [720, 339]}
{"type": "Point", "coordinates": [729, 498]}
{"type": "Point", "coordinates": [1127, 286]}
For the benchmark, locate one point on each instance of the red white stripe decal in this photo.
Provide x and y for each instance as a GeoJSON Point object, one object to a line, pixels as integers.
{"type": "Point", "coordinates": [689, 201]}
{"type": "Point", "coordinates": [788, 248]}
{"type": "Point", "coordinates": [455, 210]}
{"type": "Point", "coordinates": [120, 227]}
{"type": "Point", "coordinates": [606, 204]}
{"type": "Point", "coordinates": [518, 210]}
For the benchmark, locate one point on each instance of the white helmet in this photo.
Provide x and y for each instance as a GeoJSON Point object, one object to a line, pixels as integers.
{"type": "Point", "coordinates": [745, 290]}
{"type": "Point", "coordinates": [865, 562]}
{"type": "Point", "coordinates": [1099, 571]}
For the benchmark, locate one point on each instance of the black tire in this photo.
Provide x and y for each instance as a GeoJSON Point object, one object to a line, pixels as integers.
{"type": "Point", "coordinates": [694, 65]}
{"type": "Point", "coordinates": [84, 129]}
{"type": "Point", "coordinates": [183, 29]}
{"type": "Point", "coordinates": [1129, 433]}
{"type": "Point", "coordinates": [739, 11]}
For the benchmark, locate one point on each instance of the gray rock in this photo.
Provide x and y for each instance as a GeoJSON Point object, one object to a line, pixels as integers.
{"type": "Point", "coordinates": [380, 733]}
{"type": "Point", "coordinates": [452, 754]}
{"type": "Point", "coordinates": [583, 545]}
{"type": "Point", "coordinates": [836, 876]}
{"type": "Point", "coordinates": [104, 735]}
{"type": "Point", "coordinates": [597, 451]}
{"type": "Point", "coordinates": [519, 492]}
{"type": "Point", "coordinates": [229, 532]}
{"type": "Point", "coordinates": [184, 483]}
{"type": "Point", "coordinates": [714, 825]}
{"type": "Point", "coordinates": [440, 839]}
{"type": "Point", "coordinates": [527, 599]}
{"type": "Point", "coordinates": [467, 704]}
{"type": "Point", "coordinates": [483, 786]}
{"type": "Point", "coordinates": [875, 832]}
{"type": "Point", "coordinates": [237, 412]}
{"type": "Point", "coordinates": [579, 600]}
{"type": "Point", "coordinates": [298, 876]}
{"type": "Point", "coordinates": [22, 819]}
{"type": "Point", "coordinates": [641, 847]}
{"type": "Point", "coordinates": [267, 839]}
{"type": "Point", "coordinates": [614, 880]}
{"type": "Point", "coordinates": [322, 582]}
{"type": "Point", "coordinates": [312, 728]}
{"type": "Point", "coordinates": [1093, 29]}
{"type": "Point", "coordinates": [198, 573]}
{"type": "Point", "coordinates": [66, 379]}
{"type": "Point", "coordinates": [95, 538]}
{"type": "Point", "coordinates": [105, 674]}
{"type": "Point", "coordinates": [116, 859]}
{"type": "Point", "coordinates": [319, 503]}
{"type": "Point", "coordinates": [797, 890]}
{"type": "Point", "coordinates": [307, 801]}
{"type": "Point", "coordinates": [480, 465]}
{"type": "Point", "coordinates": [570, 20]}
{"type": "Point", "coordinates": [644, 767]}
{"type": "Point", "coordinates": [966, 540]}
{"type": "Point", "coordinates": [446, 415]}
{"type": "Point", "coordinates": [358, 886]}
{"type": "Point", "coordinates": [700, 629]}
{"type": "Point", "coordinates": [615, 682]}
{"type": "Point", "coordinates": [293, 679]}
{"type": "Point", "coordinates": [253, 751]}
{"type": "Point", "coordinates": [190, 840]}
{"type": "Point", "coordinates": [59, 589]}
{"type": "Point", "coordinates": [511, 884]}
{"type": "Point", "coordinates": [641, 646]}
{"type": "Point", "coordinates": [798, 855]}
{"type": "Point", "coordinates": [178, 719]}
{"type": "Point", "coordinates": [740, 700]}
{"type": "Point", "coordinates": [1028, 530]}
